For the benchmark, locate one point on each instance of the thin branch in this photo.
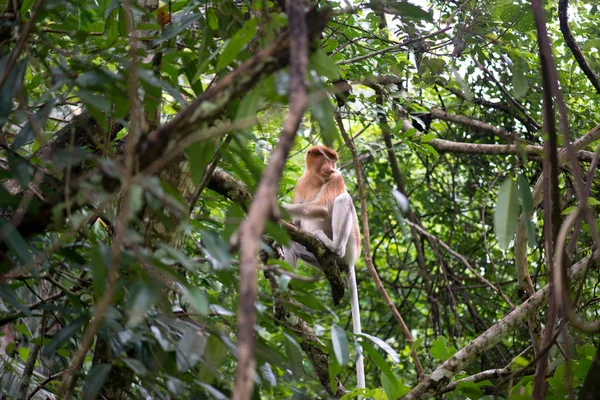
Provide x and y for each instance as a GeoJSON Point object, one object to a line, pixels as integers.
{"type": "Point", "coordinates": [367, 248]}
{"type": "Point", "coordinates": [253, 227]}
{"type": "Point", "coordinates": [46, 381]}
{"type": "Point", "coordinates": [208, 171]}
{"type": "Point", "coordinates": [563, 17]}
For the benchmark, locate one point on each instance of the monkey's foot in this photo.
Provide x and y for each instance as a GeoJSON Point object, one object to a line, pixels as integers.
{"type": "Point", "coordinates": [339, 252]}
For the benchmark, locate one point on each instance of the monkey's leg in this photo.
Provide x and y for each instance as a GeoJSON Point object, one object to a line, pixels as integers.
{"type": "Point", "coordinates": [341, 224]}
{"type": "Point", "coordinates": [356, 328]}
{"type": "Point", "coordinates": [296, 251]}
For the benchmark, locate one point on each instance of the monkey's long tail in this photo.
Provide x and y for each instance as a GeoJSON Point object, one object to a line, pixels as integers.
{"type": "Point", "coordinates": [360, 364]}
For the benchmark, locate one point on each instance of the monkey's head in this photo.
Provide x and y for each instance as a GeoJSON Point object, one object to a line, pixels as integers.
{"type": "Point", "coordinates": [321, 160]}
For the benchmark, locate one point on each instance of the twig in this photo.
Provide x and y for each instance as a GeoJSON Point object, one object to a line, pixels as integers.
{"type": "Point", "coordinates": [44, 383]}
{"type": "Point", "coordinates": [563, 294]}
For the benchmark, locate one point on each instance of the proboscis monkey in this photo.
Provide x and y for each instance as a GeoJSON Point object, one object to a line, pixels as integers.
{"type": "Point", "coordinates": [323, 207]}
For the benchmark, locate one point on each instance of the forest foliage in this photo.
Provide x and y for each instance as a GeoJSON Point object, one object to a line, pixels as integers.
{"type": "Point", "coordinates": [136, 137]}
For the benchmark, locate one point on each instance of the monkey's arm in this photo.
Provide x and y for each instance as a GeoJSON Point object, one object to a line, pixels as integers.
{"type": "Point", "coordinates": [307, 211]}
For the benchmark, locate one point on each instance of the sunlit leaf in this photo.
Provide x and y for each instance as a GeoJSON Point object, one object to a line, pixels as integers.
{"type": "Point", "coordinates": [237, 43]}
{"type": "Point", "coordinates": [324, 65]}
{"type": "Point", "coordinates": [384, 346]}
{"type": "Point", "coordinates": [294, 355]}
{"type": "Point", "coordinates": [406, 9]}
{"type": "Point", "coordinates": [527, 204]}
{"type": "Point", "coordinates": [506, 214]}
{"type": "Point", "coordinates": [340, 344]}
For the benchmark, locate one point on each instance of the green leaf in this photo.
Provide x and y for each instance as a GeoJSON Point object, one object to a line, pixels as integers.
{"type": "Point", "coordinates": [277, 232]}
{"type": "Point", "coordinates": [20, 168]}
{"type": "Point", "coordinates": [322, 111]}
{"type": "Point", "coordinates": [176, 28]}
{"type": "Point", "coordinates": [249, 105]}
{"type": "Point", "coordinates": [506, 214]}
{"type": "Point", "coordinates": [215, 352]}
{"type": "Point", "coordinates": [26, 134]}
{"type": "Point", "coordinates": [527, 204]}
{"type": "Point", "coordinates": [136, 366]}
{"type": "Point", "coordinates": [340, 345]}
{"type": "Point", "coordinates": [384, 346]}
{"type": "Point", "coordinates": [237, 43]}
{"type": "Point", "coordinates": [441, 350]}
{"type": "Point", "coordinates": [417, 344]}
{"type": "Point", "coordinates": [95, 380]}
{"type": "Point", "coordinates": [469, 389]}
{"type": "Point", "coordinates": [199, 154]}
{"type": "Point", "coordinates": [294, 355]}
{"type": "Point", "coordinates": [190, 349]}
{"type": "Point", "coordinates": [123, 26]}
{"type": "Point", "coordinates": [267, 374]}
{"type": "Point", "coordinates": [379, 361]}
{"type": "Point", "coordinates": [427, 138]}
{"type": "Point", "coordinates": [141, 298]}
{"type": "Point", "coordinates": [98, 262]}
{"type": "Point", "coordinates": [464, 85]}
{"type": "Point", "coordinates": [63, 335]}
{"type": "Point", "coordinates": [11, 297]}
{"type": "Point", "coordinates": [394, 389]}
{"type": "Point", "coordinates": [196, 298]}
{"type": "Point", "coordinates": [320, 62]}
{"type": "Point", "coordinates": [409, 10]}
{"type": "Point", "coordinates": [213, 20]}
{"type": "Point", "coordinates": [11, 85]}
{"type": "Point", "coordinates": [15, 242]}
{"type": "Point", "coordinates": [216, 249]}
{"type": "Point", "coordinates": [519, 79]}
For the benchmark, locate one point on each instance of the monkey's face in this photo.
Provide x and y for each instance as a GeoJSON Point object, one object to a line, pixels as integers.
{"type": "Point", "coordinates": [322, 160]}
